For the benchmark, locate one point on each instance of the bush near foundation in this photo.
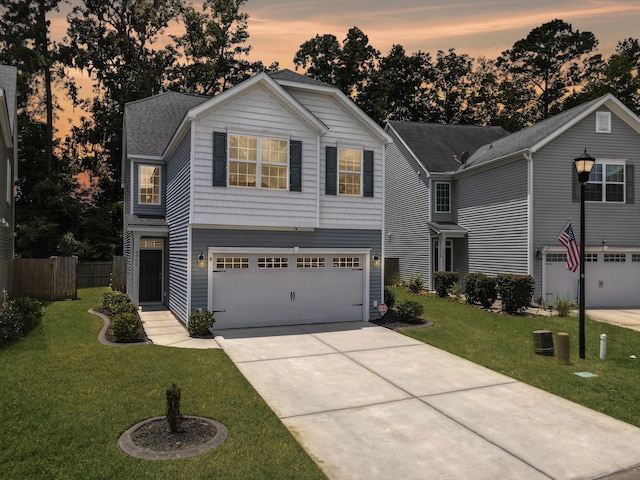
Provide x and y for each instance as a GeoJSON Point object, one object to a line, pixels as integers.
{"type": "Point", "coordinates": [18, 317]}
{"type": "Point", "coordinates": [389, 298]}
{"type": "Point", "coordinates": [200, 323]}
{"type": "Point", "coordinates": [118, 303]}
{"type": "Point", "coordinates": [480, 288]}
{"type": "Point", "coordinates": [409, 310]}
{"type": "Point", "coordinates": [443, 282]}
{"type": "Point", "coordinates": [516, 291]}
{"type": "Point", "coordinates": [127, 327]}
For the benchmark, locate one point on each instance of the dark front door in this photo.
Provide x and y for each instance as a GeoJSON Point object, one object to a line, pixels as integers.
{"type": "Point", "coordinates": [150, 275]}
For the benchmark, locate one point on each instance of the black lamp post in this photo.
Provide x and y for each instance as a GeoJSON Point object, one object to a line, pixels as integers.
{"type": "Point", "coordinates": [584, 164]}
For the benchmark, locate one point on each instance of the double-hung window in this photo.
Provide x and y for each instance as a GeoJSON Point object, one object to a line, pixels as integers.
{"type": "Point", "coordinates": [443, 197]}
{"type": "Point", "coordinates": [606, 182]}
{"type": "Point", "coordinates": [349, 171]}
{"type": "Point", "coordinates": [149, 180]}
{"type": "Point", "coordinates": [259, 161]}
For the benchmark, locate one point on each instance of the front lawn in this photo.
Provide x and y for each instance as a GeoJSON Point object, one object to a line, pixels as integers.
{"type": "Point", "coordinates": [66, 399]}
{"type": "Point", "coordinates": [504, 343]}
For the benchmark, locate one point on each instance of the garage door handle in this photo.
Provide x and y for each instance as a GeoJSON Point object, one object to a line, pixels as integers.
{"type": "Point", "coordinates": [292, 296]}
{"type": "Point", "coordinates": [218, 271]}
{"type": "Point", "coordinates": [357, 304]}
{"type": "Point", "coordinates": [218, 311]}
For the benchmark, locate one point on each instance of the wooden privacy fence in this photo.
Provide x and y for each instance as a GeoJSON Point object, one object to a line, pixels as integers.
{"type": "Point", "coordinates": [103, 274]}
{"type": "Point", "coordinates": [45, 278]}
{"type": "Point", "coordinates": [58, 278]}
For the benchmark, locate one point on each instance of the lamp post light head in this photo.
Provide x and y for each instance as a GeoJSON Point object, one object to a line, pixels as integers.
{"type": "Point", "coordinates": [584, 164]}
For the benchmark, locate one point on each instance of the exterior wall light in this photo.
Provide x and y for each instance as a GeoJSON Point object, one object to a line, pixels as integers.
{"type": "Point", "coordinates": [376, 261]}
{"type": "Point", "coordinates": [201, 260]}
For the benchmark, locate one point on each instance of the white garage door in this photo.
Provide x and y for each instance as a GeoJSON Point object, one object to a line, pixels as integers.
{"type": "Point", "coordinates": [261, 290]}
{"type": "Point", "coordinates": [612, 279]}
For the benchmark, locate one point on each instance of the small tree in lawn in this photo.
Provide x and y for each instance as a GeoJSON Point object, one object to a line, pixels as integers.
{"type": "Point", "coordinates": [173, 408]}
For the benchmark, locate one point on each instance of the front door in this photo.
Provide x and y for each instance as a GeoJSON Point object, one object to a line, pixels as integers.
{"type": "Point", "coordinates": [150, 275]}
{"type": "Point", "coordinates": [448, 255]}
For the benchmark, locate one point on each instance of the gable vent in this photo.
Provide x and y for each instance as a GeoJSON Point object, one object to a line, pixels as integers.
{"type": "Point", "coordinates": [603, 122]}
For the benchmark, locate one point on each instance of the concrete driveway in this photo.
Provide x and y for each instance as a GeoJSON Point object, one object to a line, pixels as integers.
{"type": "Point", "coordinates": [369, 403]}
{"type": "Point", "coordinates": [622, 317]}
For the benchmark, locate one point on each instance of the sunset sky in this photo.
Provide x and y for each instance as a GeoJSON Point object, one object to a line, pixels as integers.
{"type": "Point", "coordinates": [475, 27]}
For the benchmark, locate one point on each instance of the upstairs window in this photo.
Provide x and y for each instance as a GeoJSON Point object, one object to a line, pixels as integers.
{"type": "Point", "coordinates": [606, 183]}
{"type": "Point", "coordinates": [443, 197]}
{"type": "Point", "coordinates": [349, 171]}
{"type": "Point", "coordinates": [149, 192]}
{"type": "Point", "coordinates": [259, 161]}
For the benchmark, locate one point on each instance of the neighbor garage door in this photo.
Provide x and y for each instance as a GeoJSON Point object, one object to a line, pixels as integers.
{"type": "Point", "coordinates": [612, 278]}
{"type": "Point", "coordinates": [263, 290]}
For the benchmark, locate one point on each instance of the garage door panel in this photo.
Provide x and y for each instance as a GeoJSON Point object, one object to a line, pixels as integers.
{"type": "Point", "coordinates": [292, 295]}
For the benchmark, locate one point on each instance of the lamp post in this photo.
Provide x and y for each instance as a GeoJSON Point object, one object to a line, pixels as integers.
{"type": "Point", "coordinates": [584, 164]}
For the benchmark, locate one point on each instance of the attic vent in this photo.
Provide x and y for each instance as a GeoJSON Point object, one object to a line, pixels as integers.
{"type": "Point", "coordinates": [603, 122]}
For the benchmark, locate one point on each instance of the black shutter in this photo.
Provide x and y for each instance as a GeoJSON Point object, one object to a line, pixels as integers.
{"type": "Point", "coordinates": [219, 159]}
{"type": "Point", "coordinates": [367, 170]}
{"type": "Point", "coordinates": [629, 179]}
{"type": "Point", "coordinates": [295, 166]}
{"type": "Point", "coordinates": [332, 171]}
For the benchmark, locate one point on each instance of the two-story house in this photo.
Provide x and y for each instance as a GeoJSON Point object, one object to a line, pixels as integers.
{"type": "Point", "coordinates": [8, 172]}
{"type": "Point", "coordinates": [263, 204]}
{"type": "Point", "coordinates": [510, 199]}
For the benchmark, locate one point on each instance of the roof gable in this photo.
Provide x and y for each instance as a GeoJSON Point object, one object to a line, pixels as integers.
{"type": "Point", "coordinates": [533, 138]}
{"type": "Point", "coordinates": [440, 147]}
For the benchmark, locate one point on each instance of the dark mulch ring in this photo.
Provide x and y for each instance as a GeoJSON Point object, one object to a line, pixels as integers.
{"type": "Point", "coordinates": [152, 439]}
{"type": "Point", "coordinates": [392, 321]}
{"type": "Point", "coordinates": [157, 435]}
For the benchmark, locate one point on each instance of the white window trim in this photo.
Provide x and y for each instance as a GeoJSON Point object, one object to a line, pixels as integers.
{"type": "Point", "coordinates": [611, 161]}
{"type": "Point", "coordinates": [258, 162]}
{"type": "Point", "coordinates": [150, 165]}
{"type": "Point", "coordinates": [361, 172]}
{"type": "Point", "coordinates": [436, 197]}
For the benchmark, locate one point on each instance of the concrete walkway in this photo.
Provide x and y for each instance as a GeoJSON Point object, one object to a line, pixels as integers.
{"type": "Point", "coordinates": [367, 402]}
{"type": "Point", "coordinates": [622, 317]}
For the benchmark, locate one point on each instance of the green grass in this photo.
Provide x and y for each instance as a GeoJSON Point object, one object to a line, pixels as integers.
{"type": "Point", "coordinates": [66, 399]}
{"type": "Point", "coordinates": [504, 343]}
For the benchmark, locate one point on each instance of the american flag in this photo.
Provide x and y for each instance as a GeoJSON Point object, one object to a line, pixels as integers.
{"type": "Point", "coordinates": [568, 239]}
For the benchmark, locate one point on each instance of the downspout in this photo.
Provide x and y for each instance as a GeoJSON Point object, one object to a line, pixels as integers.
{"type": "Point", "coordinates": [530, 256]}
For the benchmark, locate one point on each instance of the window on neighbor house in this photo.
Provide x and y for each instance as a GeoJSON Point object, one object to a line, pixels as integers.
{"type": "Point", "coordinates": [349, 171]}
{"type": "Point", "coordinates": [149, 185]}
{"type": "Point", "coordinates": [606, 183]}
{"type": "Point", "coordinates": [257, 161]}
{"type": "Point", "coordinates": [443, 197]}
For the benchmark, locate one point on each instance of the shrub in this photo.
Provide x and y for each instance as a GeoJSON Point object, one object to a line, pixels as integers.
{"type": "Point", "coordinates": [127, 327]}
{"type": "Point", "coordinates": [479, 288]}
{"type": "Point", "coordinates": [516, 291]}
{"type": "Point", "coordinates": [118, 303]}
{"type": "Point", "coordinates": [443, 282]}
{"type": "Point", "coordinates": [200, 323]}
{"type": "Point", "coordinates": [389, 298]}
{"type": "Point", "coordinates": [409, 310]}
{"type": "Point", "coordinates": [563, 305]}
{"type": "Point", "coordinates": [174, 417]}
{"type": "Point", "coordinates": [18, 317]}
{"type": "Point", "coordinates": [416, 284]}
{"type": "Point", "coordinates": [457, 290]}
{"type": "Point", "coordinates": [395, 279]}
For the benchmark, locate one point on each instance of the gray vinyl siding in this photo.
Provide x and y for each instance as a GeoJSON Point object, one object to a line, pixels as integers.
{"type": "Point", "coordinates": [553, 203]}
{"type": "Point", "coordinates": [150, 210]}
{"type": "Point", "coordinates": [6, 213]}
{"type": "Point", "coordinates": [492, 207]}
{"type": "Point", "coordinates": [177, 190]}
{"type": "Point", "coordinates": [407, 234]}
{"type": "Point", "coordinates": [202, 239]}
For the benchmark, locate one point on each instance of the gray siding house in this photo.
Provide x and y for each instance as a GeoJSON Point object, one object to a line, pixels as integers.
{"type": "Point", "coordinates": [263, 204]}
{"type": "Point", "coordinates": [8, 173]}
{"type": "Point", "coordinates": [512, 197]}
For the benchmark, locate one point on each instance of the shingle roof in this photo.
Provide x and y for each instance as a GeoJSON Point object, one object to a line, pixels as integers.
{"type": "Point", "coordinates": [287, 75]}
{"type": "Point", "coordinates": [436, 144]}
{"type": "Point", "coordinates": [527, 138]}
{"type": "Point", "coordinates": [151, 122]}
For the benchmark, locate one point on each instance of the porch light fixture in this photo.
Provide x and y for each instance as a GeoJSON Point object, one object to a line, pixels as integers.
{"type": "Point", "coordinates": [201, 260]}
{"type": "Point", "coordinates": [584, 163]}
{"type": "Point", "coordinates": [376, 261]}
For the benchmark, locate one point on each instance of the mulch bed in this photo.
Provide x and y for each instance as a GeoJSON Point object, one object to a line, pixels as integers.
{"type": "Point", "coordinates": [107, 333]}
{"type": "Point", "coordinates": [392, 321]}
{"type": "Point", "coordinates": [157, 436]}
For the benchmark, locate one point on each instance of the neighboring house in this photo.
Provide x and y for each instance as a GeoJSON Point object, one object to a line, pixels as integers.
{"type": "Point", "coordinates": [8, 173]}
{"type": "Point", "coordinates": [510, 199]}
{"type": "Point", "coordinates": [263, 204]}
